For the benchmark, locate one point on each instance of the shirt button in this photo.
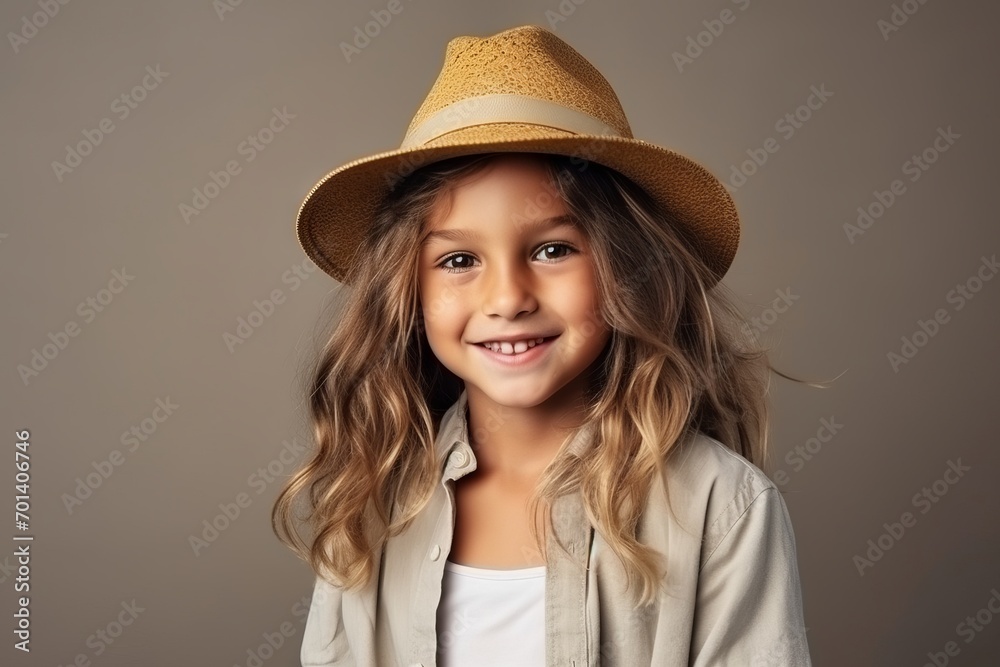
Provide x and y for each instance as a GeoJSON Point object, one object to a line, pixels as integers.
{"type": "Point", "coordinates": [435, 552]}
{"type": "Point", "coordinates": [459, 458]}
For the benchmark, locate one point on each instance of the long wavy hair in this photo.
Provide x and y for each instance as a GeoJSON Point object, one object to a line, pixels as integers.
{"type": "Point", "coordinates": [681, 359]}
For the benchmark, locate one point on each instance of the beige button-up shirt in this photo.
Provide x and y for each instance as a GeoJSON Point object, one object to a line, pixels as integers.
{"type": "Point", "coordinates": [732, 576]}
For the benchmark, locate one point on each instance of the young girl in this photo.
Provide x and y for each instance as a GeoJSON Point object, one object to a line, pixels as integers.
{"type": "Point", "coordinates": [538, 418]}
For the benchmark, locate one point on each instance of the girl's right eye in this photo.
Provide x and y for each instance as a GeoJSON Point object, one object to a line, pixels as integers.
{"type": "Point", "coordinates": [449, 258]}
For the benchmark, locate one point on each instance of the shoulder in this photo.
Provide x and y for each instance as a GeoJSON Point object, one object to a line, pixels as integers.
{"type": "Point", "coordinates": [711, 488]}
{"type": "Point", "coordinates": [737, 547]}
{"type": "Point", "coordinates": [703, 462]}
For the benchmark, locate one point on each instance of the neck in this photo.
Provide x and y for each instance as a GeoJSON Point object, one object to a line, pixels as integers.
{"type": "Point", "coordinates": [517, 443]}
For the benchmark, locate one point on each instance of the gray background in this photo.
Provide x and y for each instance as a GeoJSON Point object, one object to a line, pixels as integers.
{"type": "Point", "coordinates": [163, 334]}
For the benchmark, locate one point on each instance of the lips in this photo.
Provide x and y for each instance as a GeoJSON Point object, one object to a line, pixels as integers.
{"type": "Point", "coordinates": [514, 360]}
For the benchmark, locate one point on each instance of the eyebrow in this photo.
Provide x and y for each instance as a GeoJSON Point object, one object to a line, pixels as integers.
{"type": "Point", "coordinates": [468, 234]}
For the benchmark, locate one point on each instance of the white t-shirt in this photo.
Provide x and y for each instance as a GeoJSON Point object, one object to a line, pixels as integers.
{"type": "Point", "coordinates": [491, 618]}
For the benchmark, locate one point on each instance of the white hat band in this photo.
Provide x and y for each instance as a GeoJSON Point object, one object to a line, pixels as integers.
{"type": "Point", "coordinates": [505, 108]}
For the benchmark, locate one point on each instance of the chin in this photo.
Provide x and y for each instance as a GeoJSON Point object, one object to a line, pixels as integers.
{"type": "Point", "coordinates": [517, 395]}
{"type": "Point", "coordinates": [515, 400]}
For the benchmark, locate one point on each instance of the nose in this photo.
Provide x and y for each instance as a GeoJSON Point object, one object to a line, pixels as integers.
{"type": "Point", "coordinates": [508, 292]}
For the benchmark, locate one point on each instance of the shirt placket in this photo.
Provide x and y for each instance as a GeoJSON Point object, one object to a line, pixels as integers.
{"type": "Point", "coordinates": [572, 634]}
{"type": "Point", "coordinates": [424, 634]}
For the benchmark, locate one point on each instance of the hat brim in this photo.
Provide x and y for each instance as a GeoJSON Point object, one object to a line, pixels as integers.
{"type": "Point", "coordinates": [333, 216]}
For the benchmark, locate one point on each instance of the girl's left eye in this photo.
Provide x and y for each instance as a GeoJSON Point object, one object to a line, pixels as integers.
{"type": "Point", "coordinates": [462, 269]}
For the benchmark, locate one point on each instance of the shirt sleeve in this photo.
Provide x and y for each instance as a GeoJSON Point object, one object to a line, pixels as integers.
{"type": "Point", "coordinates": [749, 607]}
{"type": "Point", "coordinates": [324, 640]}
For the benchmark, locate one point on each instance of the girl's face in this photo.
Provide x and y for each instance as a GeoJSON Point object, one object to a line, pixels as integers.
{"type": "Point", "coordinates": [498, 263]}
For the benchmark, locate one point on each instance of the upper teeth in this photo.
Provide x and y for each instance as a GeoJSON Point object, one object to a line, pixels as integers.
{"type": "Point", "coordinates": [513, 348]}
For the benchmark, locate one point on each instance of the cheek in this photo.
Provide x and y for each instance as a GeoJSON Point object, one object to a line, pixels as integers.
{"type": "Point", "coordinates": [439, 304]}
{"type": "Point", "coordinates": [427, 289]}
{"type": "Point", "coordinates": [582, 298]}
{"type": "Point", "coordinates": [441, 300]}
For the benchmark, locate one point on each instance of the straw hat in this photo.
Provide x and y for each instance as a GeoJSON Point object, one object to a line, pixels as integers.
{"type": "Point", "coordinates": [526, 90]}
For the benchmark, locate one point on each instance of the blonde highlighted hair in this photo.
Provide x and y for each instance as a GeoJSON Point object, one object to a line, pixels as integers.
{"type": "Point", "coordinates": [681, 359]}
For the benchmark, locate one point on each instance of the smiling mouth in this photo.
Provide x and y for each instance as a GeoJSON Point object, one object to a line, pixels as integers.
{"type": "Point", "coordinates": [515, 348]}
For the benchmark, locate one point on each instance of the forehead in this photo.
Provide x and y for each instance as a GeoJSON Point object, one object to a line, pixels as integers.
{"type": "Point", "coordinates": [514, 188]}
{"type": "Point", "coordinates": [453, 233]}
